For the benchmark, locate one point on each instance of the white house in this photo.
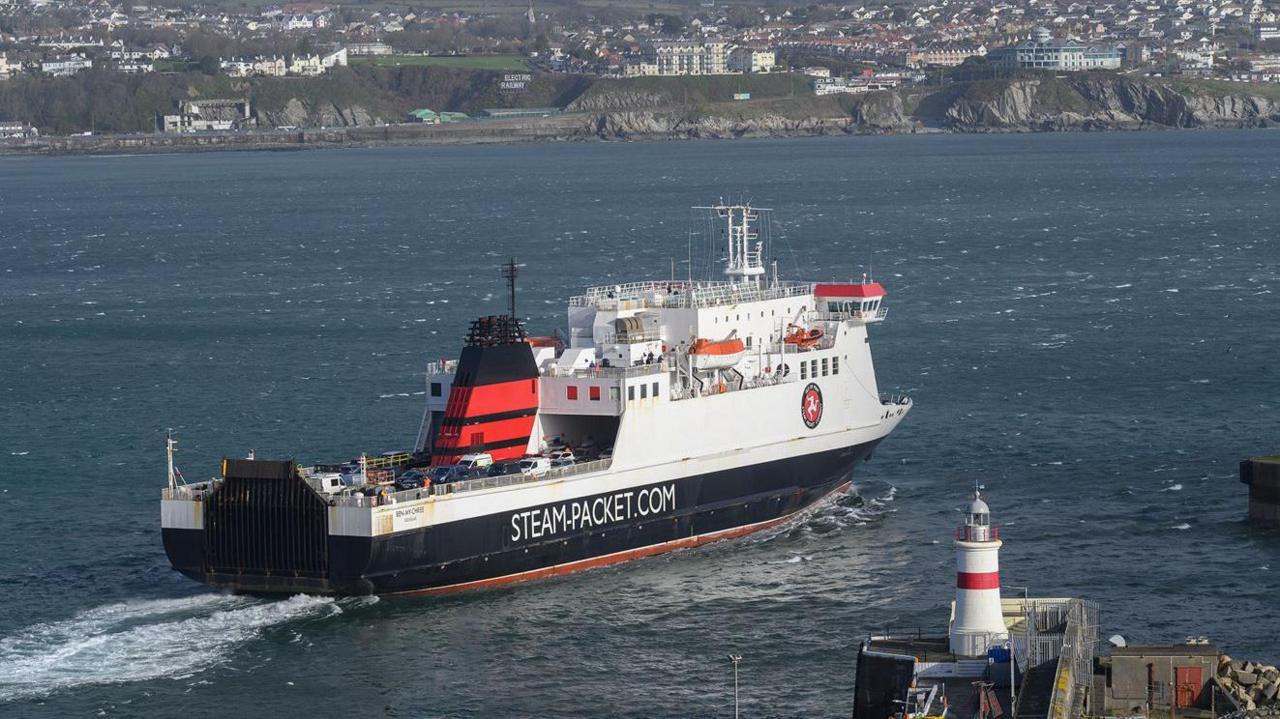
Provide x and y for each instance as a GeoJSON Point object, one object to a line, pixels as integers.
{"type": "Point", "coordinates": [65, 66]}
{"type": "Point", "coordinates": [750, 59]}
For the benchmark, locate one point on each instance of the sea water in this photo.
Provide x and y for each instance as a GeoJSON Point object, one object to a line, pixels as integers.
{"type": "Point", "coordinates": [1088, 325]}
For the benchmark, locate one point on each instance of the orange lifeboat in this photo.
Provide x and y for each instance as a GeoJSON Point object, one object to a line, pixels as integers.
{"type": "Point", "coordinates": [803, 338]}
{"type": "Point", "coordinates": [716, 354]}
{"type": "Point", "coordinates": [543, 341]}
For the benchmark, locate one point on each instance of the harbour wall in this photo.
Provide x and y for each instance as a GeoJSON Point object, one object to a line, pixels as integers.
{"type": "Point", "coordinates": [1262, 474]}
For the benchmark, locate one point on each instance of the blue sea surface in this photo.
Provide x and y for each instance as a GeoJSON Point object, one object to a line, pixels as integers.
{"type": "Point", "coordinates": [1088, 324]}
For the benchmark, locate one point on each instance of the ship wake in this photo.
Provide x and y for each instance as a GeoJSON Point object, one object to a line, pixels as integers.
{"type": "Point", "coordinates": [141, 640]}
{"type": "Point", "coordinates": [836, 513]}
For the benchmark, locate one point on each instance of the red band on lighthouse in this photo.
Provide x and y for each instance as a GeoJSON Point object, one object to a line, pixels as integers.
{"type": "Point", "coordinates": [978, 580]}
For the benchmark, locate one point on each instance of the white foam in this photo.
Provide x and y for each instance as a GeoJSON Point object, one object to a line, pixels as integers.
{"type": "Point", "coordinates": [1172, 488]}
{"type": "Point", "coordinates": [1183, 527]}
{"type": "Point", "coordinates": [140, 640]}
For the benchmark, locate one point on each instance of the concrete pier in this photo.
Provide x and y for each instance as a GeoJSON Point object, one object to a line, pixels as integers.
{"type": "Point", "coordinates": [1262, 474]}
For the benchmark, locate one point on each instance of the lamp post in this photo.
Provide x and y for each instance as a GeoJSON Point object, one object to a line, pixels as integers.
{"type": "Point", "coordinates": [735, 658]}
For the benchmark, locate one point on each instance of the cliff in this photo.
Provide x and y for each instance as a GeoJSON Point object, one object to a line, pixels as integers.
{"type": "Point", "coordinates": [361, 106]}
{"type": "Point", "coordinates": [1089, 101]}
{"type": "Point", "coordinates": [1093, 101]}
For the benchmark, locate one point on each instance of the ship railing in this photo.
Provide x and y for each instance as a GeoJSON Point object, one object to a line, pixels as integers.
{"type": "Point", "coordinates": [684, 294]}
{"type": "Point", "coordinates": [860, 315]}
{"type": "Point", "coordinates": [895, 398]}
{"type": "Point", "coordinates": [640, 370]}
{"type": "Point", "coordinates": [506, 480]}
{"type": "Point", "coordinates": [442, 367]}
{"type": "Point", "coordinates": [470, 485]}
{"type": "Point", "coordinates": [188, 492]}
{"type": "Point", "coordinates": [609, 337]}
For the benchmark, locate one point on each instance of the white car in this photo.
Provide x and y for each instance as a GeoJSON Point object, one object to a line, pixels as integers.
{"type": "Point", "coordinates": [535, 466]}
{"type": "Point", "coordinates": [475, 461]}
{"type": "Point", "coordinates": [562, 457]}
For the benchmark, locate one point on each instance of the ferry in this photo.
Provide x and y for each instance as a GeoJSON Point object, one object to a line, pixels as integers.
{"type": "Point", "coordinates": [669, 414]}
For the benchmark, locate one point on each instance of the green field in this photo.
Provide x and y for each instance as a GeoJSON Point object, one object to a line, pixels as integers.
{"type": "Point", "coordinates": [467, 62]}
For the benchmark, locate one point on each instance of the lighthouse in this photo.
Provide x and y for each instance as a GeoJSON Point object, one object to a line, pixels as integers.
{"type": "Point", "coordinates": [977, 623]}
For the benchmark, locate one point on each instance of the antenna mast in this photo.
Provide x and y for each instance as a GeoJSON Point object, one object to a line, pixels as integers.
{"type": "Point", "coordinates": [509, 271]}
{"type": "Point", "coordinates": [745, 249]}
{"type": "Point", "coordinates": [170, 446]}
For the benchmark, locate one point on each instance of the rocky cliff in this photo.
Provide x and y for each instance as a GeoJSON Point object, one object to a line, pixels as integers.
{"type": "Point", "coordinates": [1092, 101]}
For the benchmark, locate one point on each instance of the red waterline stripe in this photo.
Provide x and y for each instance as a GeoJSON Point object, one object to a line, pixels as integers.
{"type": "Point", "coordinates": [619, 557]}
{"type": "Point", "coordinates": [978, 580]}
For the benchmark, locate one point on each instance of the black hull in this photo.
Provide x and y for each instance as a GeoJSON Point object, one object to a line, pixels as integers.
{"type": "Point", "coordinates": [496, 549]}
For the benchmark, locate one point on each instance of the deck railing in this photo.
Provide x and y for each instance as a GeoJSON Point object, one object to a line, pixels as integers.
{"type": "Point", "coordinates": [469, 485]}
{"type": "Point", "coordinates": [682, 293]}
{"type": "Point", "coordinates": [188, 492]}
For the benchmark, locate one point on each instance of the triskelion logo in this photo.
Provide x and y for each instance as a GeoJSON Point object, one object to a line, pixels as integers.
{"type": "Point", "coordinates": [811, 406]}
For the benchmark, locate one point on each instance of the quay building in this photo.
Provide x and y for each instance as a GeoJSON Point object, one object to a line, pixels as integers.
{"type": "Point", "coordinates": [1042, 51]}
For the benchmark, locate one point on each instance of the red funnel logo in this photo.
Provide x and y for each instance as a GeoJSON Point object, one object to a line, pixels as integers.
{"type": "Point", "coordinates": [811, 406]}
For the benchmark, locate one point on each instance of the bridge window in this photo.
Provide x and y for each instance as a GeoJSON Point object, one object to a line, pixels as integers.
{"type": "Point", "coordinates": [655, 389]}
{"type": "Point", "coordinates": [813, 368]}
{"type": "Point", "coordinates": [804, 370]}
{"type": "Point", "coordinates": [614, 394]}
{"type": "Point", "coordinates": [644, 391]}
{"type": "Point", "coordinates": [631, 393]}
{"type": "Point", "coordinates": [835, 365]}
{"type": "Point", "coordinates": [593, 393]}
{"type": "Point", "coordinates": [572, 392]}
{"type": "Point", "coordinates": [824, 366]}
{"type": "Point", "coordinates": [436, 389]}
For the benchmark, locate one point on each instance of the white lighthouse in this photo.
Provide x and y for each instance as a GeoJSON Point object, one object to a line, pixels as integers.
{"type": "Point", "coordinates": [977, 623]}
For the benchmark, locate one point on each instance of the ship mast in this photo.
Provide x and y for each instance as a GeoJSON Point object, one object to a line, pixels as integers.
{"type": "Point", "coordinates": [509, 272]}
{"type": "Point", "coordinates": [171, 446]}
{"type": "Point", "coordinates": [745, 259]}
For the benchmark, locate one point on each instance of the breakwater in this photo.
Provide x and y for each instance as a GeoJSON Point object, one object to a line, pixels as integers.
{"type": "Point", "coordinates": [1262, 474]}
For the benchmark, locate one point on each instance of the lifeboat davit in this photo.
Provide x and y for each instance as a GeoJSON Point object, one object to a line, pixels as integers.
{"type": "Point", "coordinates": [716, 354]}
{"type": "Point", "coordinates": [801, 337]}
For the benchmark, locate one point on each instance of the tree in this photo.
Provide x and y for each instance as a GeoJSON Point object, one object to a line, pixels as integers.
{"type": "Point", "coordinates": [669, 24]}
{"type": "Point", "coordinates": [210, 65]}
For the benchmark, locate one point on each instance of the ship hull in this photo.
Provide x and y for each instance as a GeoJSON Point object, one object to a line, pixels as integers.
{"type": "Point", "coordinates": [552, 539]}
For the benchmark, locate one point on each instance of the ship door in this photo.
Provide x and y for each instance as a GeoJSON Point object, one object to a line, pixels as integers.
{"type": "Point", "coordinates": [477, 441]}
{"type": "Point", "coordinates": [1189, 684]}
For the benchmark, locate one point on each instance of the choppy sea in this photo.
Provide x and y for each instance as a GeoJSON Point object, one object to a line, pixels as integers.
{"type": "Point", "coordinates": [1089, 326]}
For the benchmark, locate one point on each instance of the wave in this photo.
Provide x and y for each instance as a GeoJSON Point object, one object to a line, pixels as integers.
{"type": "Point", "coordinates": [837, 513]}
{"type": "Point", "coordinates": [140, 640]}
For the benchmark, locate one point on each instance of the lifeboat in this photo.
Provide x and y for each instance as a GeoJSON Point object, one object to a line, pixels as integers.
{"type": "Point", "coordinates": [543, 341]}
{"type": "Point", "coordinates": [716, 354]}
{"type": "Point", "coordinates": [803, 338]}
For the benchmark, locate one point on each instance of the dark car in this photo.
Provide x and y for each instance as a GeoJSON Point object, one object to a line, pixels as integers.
{"type": "Point", "coordinates": [440, 475]}
{"type": "Point", "coordinates": [413, 479]}
{"type": "Point", "coordinates": [499, 469]}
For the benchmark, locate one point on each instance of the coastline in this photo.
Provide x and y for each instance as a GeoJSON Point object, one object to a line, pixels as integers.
{"type": "Point", "coordinates": [1086, 102]}
{"type": "Point", "coordinates": [576, 127]}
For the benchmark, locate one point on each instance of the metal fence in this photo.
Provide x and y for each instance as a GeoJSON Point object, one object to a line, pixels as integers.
{"type": "Point", "coordinates": [1075, 660]}
{"type": "Point", "coordinates": [682, 293]}
{"type": "Point", "coordinates": [471, 485]}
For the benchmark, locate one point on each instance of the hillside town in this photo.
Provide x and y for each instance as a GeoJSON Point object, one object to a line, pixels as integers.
{"type": "Point", "coordinates": [842, 48]}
